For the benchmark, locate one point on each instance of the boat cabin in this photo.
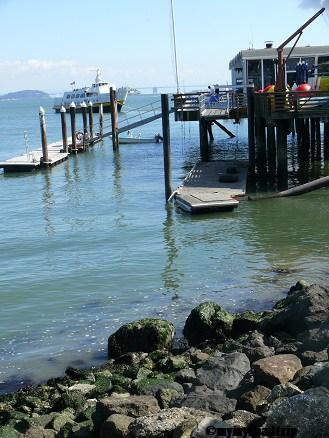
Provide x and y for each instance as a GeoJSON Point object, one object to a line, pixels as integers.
{"type": "Point", "coordinates": [258, 66]}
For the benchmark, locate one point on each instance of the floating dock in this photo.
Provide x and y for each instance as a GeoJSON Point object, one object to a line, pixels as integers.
{"type": "Point", "coordinates": [33, 159]}
{"type": "Point", "coordinates": [213, 186]}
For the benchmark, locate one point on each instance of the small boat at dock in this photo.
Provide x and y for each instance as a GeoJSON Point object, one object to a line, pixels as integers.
{"type": "Point", "coordinates": [97, 94]}
{"type": "Point", "coordinates": [138, 139]}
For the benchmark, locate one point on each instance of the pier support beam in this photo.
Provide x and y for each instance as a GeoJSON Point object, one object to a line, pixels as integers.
{"type": "Point", "coordinates": [312, 139]}
{"type": "Point", "coordinates": [318, 139]}
{"type": "Point", "coordinates": [64, 129]}
{"type": "Point", "coordinates": [261, 146]}
{"type": "Point", "coordinates": [251, 129]}
{"type": "Point", "coordinates": [282, 154]}
{"type": "Point", "coordinates": [91, 121]}
{"type": "Point", "coordinates": [326, 140]}
{"type": "Point", "coordinates": [211, 136]}
{"type": "Point", "coordinates": [166, 145]}
{"type": "Point", "coordinates": [114, 119]}
{"type": "Point", "coordinates": [204, 144]}
{"type": "Point", "coordinates": [44, 159]}
{"type": "Point", "coordinates": [73, 128]}
{"type": "Point", "coordinates": [271, 150]}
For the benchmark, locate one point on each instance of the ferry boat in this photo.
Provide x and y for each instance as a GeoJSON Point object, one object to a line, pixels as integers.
{"type": "Point", "coordinates": [98, 93]}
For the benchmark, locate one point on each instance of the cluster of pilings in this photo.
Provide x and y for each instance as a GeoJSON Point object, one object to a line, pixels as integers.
{"type": "Point", "coordinates": [268, 140]}
{"type": "Point", "coordinates": [80, 141]}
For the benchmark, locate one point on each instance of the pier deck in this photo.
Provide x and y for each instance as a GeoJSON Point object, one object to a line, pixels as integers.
{"type": "Point", "coordinates": [32, 159]}
{"type": "Point", "coordinates": [203, 191]}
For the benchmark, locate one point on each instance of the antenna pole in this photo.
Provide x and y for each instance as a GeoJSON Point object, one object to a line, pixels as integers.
{"type": "Point", "coordinates": [174, 39]}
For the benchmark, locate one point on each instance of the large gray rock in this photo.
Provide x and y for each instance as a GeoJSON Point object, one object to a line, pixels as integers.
{"type": "Point", "coordinates": [116, 426]}
{"type": "Point", "coordinates": [144, 335]}
{"type": "Point", "coordinates": [252, 345]}
{"type": "Point", "coordinates": [283, 391]}
{"type": "Point", "coordinates": [302, 310]}
{"type": "Point", "coordinates": [250, 400]}
{"type": "Point", "coordinates": [277, 369]}
{"type": "Point", "coordinates": [316, 339]}
{"type": "Point", "coordinates": [242, 419]}
{"type": "Point", "coordinates": [311, 375]}
{"type": "Point", "coordinates": [205, 399]}
{"type": "Point", "coordinates": [174, 422]}
{"type": "Point", "coordinates": [207, 321]}
{"type": "Point", "coordinates": [125, 404]}
{"type": "Point", "coordinates": [224, 372]}
{"type": "Point", "coordinates": [307, 412]}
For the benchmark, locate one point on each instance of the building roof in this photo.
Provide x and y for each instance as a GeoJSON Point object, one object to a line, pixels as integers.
{"type": "Point", "coordinates": [272, 53]}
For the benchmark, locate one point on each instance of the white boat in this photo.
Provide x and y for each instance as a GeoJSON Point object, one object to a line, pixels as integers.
{"type": "Point", "coordinates": [98, 93]}
{"type": "Point", "coordinates": [138, 139]}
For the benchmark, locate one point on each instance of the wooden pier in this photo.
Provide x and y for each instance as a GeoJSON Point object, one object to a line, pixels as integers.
{"type": "Point", "coordinates": [33, 159]}
{"type": "Point", "coordinates": [213, 186]}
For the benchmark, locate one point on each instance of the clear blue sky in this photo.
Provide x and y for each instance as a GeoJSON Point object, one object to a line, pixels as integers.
{"type": "Point", "coordinates": [46, 44]}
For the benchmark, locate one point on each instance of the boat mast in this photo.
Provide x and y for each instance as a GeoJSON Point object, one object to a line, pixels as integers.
{"type": "Point", "coordinates": [174, 40]}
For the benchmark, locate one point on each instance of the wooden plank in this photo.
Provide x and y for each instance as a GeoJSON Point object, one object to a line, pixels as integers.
{"type": "Point", "coordinates": [202, 190]}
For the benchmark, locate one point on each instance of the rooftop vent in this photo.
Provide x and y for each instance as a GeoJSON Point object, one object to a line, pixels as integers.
{"type": "Point", "coordinates": [268, 44]}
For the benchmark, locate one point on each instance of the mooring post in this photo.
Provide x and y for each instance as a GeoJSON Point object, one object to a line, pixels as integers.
{"type": "Point", "coordinates": [166, 145]}
{"type": "Point", "coordinates": [101, 119]}
{"type": "Point", "coordinates": [282, 154]}
{"type": "Point", "coordinates": [44, 159]}
{"type": "Point", "coordinates": [91, 121]}
{"type": "Point", "coordinates": [73, 128]}
{"type": "Point", "coordinates": [85, 124]}
{"type": "Point", "coordinates": [64, 129]}
{"type": "Point", "coordinates": [114, 119]}
{"type": "Point", "coordinates": [251, 128]}
{"type": "Point", "coordinates": [326, 140]}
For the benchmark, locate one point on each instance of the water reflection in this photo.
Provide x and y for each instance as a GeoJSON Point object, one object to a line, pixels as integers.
{"type": "Point", "coordinates": [48, 202]}
{"type": "Point", "coordinates": [171, 276]}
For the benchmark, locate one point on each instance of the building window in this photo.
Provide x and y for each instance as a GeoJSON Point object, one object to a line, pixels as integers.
{"type": "Point", "coordinates": [323, 66]}
{"type": "Point", "coordinates": [255, 72]}
{"type": "Point", "coordinates": [269, 72]}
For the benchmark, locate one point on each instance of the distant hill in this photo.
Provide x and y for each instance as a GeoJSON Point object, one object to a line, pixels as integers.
{"type": "Point", "coordinates": [24, 94]}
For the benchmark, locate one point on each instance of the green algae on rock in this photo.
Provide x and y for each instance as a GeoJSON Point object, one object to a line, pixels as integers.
{"type": "Point", "coordinates": [207, 321]}
{"type": "Point", "coordinates": [143, 335]}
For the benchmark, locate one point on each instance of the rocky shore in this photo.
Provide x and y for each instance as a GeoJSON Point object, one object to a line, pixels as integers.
{"type": "Point", "coordinates": [255, 373]}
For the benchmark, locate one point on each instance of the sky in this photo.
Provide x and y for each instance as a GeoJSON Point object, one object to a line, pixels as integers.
{"type": "Point", "coordinates": [48, 44]}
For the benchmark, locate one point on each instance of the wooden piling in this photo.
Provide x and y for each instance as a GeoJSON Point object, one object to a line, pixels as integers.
{"type": "Point", "coordinates": [282, 154]}
{"type": "Point", "coordinates": [85, 124]}
{"type": "Point", "coordinates": [209, 128]}
{"type": "Point", "coordinates": [64, 129]}
{"type": "Point", "coordinates": [166, 145]}
{"type": "Point", "coordinates": [260, 146]}
{"type": "Point", "coordinates": [73, 128]}
{"type": "Point", "coordinates": [114, 119]}
{"type": "Point", "coordinates": [318, 140]}
{"type": "Point", "coordinates": [44, 159]}
{"type": "Point", "coordinates": [271, 149]}
{"type": "Point", "coordinates": [101, 119]}
{"type": "Point", "coordinates": [312, 139]}
{"type": "Point", "coordinates": [251, 128]}
{"type": "Point", "coordinates": [204, 144]}
{"type": "Point", "coordinates": [91, 120]}
{"type": "Point", "coordinates": [326, 140]}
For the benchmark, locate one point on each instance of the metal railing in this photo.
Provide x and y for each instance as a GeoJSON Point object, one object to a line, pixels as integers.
{"type": "Point", "coordinates": [292, 104]}
{"type": "Point", "coordinates": [140, 114]}
{"type": "Point", "coordinates": [225, 100]}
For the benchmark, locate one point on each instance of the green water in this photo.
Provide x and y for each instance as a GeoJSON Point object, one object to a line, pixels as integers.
{"type": "Point", "coordinates": [90, 245]}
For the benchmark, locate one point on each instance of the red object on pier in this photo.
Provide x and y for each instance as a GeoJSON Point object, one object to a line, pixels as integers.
{"type": "Point", "coordinates": [303, 87]}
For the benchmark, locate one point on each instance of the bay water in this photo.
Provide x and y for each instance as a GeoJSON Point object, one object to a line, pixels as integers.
{"type": "Point", "coordinates": [89, 245]}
